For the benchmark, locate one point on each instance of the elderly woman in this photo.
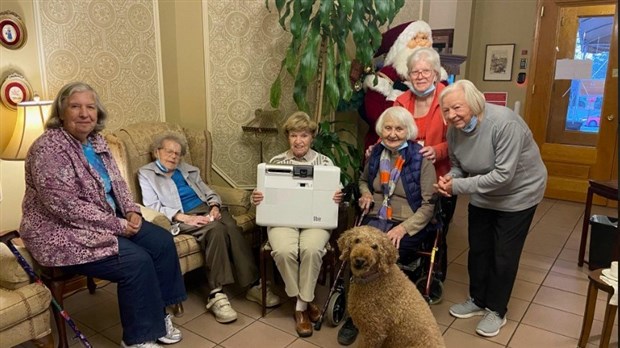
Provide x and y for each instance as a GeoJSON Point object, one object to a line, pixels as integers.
{"type": "Point", "coordinates": [298, 253]}
{"type": "Point", "coordinates": [422, 100]}
{"type": "Point", "coordinates": [396, 187]}
{"type": "Point", "coordinates": [175, 189]}
{"type": "Point", "coordinates": [78, 215]}
{"type": "Point", "coordinates": [496, 161]}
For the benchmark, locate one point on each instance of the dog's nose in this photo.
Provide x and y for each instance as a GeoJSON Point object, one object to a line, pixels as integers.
{"type": "Point", "coordinates": [359, 262]}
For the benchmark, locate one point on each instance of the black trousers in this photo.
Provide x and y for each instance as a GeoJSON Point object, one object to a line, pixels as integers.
{"type": "Point", "coordinates": [496, 240]}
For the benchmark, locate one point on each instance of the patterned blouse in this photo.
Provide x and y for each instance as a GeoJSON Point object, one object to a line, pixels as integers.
{"type": "Point", "coordinates": [66, 217]}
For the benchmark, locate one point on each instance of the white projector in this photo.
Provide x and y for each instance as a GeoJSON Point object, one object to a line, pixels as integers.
{"type": "Point", "coordinates": [297, 195]}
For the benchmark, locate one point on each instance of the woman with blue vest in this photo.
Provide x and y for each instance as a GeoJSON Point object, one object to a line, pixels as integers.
{"type": "Point", "coordinates": [397, 183]}
{"type": "Point", "coordinates": [396, 187]}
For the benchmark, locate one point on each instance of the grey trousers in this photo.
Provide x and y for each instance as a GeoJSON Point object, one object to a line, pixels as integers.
{"type": "Point", "coordinates": [227, 254]}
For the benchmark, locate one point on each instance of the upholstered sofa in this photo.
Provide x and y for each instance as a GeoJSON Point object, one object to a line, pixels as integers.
{"type": "Point", "coordinates": [24, 306]}
{"type": "Point", "coordinates": [130, 147]}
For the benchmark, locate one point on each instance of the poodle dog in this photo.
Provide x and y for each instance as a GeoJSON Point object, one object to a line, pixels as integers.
{"type": "Point", "coordinates": [384, 304]}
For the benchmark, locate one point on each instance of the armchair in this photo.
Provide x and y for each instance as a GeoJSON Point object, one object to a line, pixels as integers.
{"type": "Point", "coordinates": [24, 306]}
{"type": "Point", "coordinates": [130, 148]}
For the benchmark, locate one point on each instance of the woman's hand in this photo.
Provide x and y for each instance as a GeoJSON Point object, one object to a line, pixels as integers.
{"type": "Point", "coordinates": [257, 197]}
{"type": "Point", "coordinates": [396, 234]}
{"type": "Point", "coordinates": [365, 202]}
{"type": "Point", "coordinates": [338, 196]}
{"type": "Point", "coordinates": [429, 152]}
{"type": "Point", "coordinates": [134, 222]}
{"type": "Point", "coordinates": [444, 185]}
{"type": "Point", "coordinates": [193, 220]}
{"type": "Point", "coordinates": [368, 151]}
{"type": "Point", "coordinates": [215, 212]}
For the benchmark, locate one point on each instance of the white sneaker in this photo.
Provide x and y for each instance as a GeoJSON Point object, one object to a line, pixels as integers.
{"type": "Point", "coordinates": [141, 345]}
{"type": "Point", "coordinates": [173, 335]}
{"type": "Point", "coordinates": [221, 308]}
{"type": "Point", "coordinates": [255, 294]}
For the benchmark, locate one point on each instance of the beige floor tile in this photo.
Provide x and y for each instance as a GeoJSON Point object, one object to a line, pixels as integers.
{"type": "Point", "coordinates": [542, 249]}
{"type": "Point", "coordinates": [101, 341]}
{"type": "Point", "coordinates": [282, 318]}
{"type": "Point", "coordinates": [100, 316]}
{"type": "Point", "coordinates": [461, 259]}
{"type": "Point", "coordinates": [300, 343]}
{"type": "Point", "coordinates": [114, 333]}
{"type": "Point", "coordinates": [527, 336]}
{"type": "Point", "coordinates": [565, 282]}
{"type": "Point", "coordinates": [455, 292]}
{"type": "Point", "coordinates": [562, 300]}
{"type": "Point", "coordinates": [256, 332]}
{"type": "Point", "coordinates": [206, 326]}
{"type": "Point", "coordinates": [83, 300]}
{"type": "Point", "coordinates": [193, 307]}
{"type": "Point", "coordinates": [441, 313]}
{"type": "Point", "coordinates": [516, 309]}
{"type": "Point", "coordinates": [536, 261]}
{"type": "Point", "coordinates": [458, 339]}
{"type": "Point", "coordinates": [524, 290]}
{"type": "Point", "coordinates": [192, 340]}
{"type": "Point", "coordinates": [570, 268]}
{"type": "Point", "coordinates": [458, 273]}
{"type": "Point", "coordinates": [531, 274]}
{"type": "Point", "coordinates": [571, 255]}
{"type": "Point", "coordinates": [554, 320]}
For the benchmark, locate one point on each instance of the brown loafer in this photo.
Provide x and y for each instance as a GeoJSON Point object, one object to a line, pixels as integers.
{"type": "Point", "coordinates": [314, 312]}
{"type": "Point", "coordinates": [302, 324]}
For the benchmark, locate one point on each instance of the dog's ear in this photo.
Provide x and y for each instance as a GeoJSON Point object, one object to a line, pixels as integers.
{"type": "Point", "coordinates": [388, 253]}
{"type": "Point", "coordinates": [344, 243]}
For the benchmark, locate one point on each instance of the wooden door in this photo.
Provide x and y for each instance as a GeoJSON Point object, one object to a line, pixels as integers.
{"type": "Point", "coordinates": [571, 107]}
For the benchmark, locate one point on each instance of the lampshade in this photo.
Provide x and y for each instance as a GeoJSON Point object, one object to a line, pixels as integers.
{"type": "Point", "coordinates": [31, 117]}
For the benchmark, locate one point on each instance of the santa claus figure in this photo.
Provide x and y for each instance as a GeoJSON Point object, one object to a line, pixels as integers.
{"type": "Point", "coordinates": [383, 87]}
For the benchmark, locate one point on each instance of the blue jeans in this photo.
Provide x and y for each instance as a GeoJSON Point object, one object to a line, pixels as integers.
{"type": "Point", "coordinates": [149, 278]}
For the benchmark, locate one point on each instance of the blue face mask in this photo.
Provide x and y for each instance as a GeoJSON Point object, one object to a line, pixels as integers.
{"type": "Point", "coordinates": [471, 125]}
{"type": "Point", "coordinates": [161, 166]}
{"type": "Point", "coordinates": [425, 93]}
{"type": "Point", "coordinates": [402, 146]}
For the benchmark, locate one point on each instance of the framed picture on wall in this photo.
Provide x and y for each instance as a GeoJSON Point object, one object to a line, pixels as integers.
{"type": "Point", "coordinates": [12, 30]}
{"type": "Point", "coordinates": [498, 62]}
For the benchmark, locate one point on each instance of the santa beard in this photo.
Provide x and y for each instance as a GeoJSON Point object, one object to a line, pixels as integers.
{"type": "Point", "coordinates": [400, 62]}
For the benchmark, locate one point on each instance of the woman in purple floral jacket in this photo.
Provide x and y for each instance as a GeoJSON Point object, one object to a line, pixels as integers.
{"type": "Point", "coordinates": [78, 215]}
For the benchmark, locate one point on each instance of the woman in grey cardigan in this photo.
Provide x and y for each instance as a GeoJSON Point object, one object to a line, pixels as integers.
{"type": "Point", "coordinates": [496, 162]}
{"type": "Point", "coordinates": [175, 189]}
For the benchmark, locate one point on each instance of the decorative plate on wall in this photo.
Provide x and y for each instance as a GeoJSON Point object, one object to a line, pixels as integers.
{"type": "Point", "coordinates": [15, 89]}
{"type": "Point", "coordinates": [12, 30]}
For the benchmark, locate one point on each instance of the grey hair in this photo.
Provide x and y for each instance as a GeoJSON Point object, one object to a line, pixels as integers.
{"type": "Point", "coordinates": [158, 142]}
{"type": "Point", "coordinates": [60, 104]}
{"type": "Point", "coordinates": [473, 97]}
{"type": "Point", "coordinates": [400, 115]}
{"type": "Point", "coordinates": [425, 54]}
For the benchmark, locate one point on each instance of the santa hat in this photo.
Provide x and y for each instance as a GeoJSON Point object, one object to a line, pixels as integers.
{"type": "Point", "coordinates": [397, 38]}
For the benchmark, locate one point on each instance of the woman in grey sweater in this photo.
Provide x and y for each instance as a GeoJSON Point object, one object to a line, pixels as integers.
{"type": "Point", "coordinates": [496, 162]}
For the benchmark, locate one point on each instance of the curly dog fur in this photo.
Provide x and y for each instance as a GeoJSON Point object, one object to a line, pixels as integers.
{"type": "Point", "coordinates": [383, 303]}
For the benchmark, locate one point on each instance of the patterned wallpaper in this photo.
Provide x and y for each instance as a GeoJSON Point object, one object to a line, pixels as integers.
{"type": "Point", "coordinates": [244, 50]}
{"type": "Point", "coordinates": [113, 45]}
{"type": "Point", "coordinates": [245, 46]}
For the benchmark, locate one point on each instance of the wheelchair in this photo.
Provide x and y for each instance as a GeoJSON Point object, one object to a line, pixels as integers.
{"type": "Point", "coordinates": [425, 269]}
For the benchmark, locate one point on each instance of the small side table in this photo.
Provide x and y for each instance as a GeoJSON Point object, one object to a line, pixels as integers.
{"type": "Point", "coordinates": [595, 285]}
{"type": "Point", "coordinates": [607, 189]}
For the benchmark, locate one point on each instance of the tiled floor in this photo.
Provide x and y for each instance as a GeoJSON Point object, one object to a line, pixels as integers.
{"type": "Point", "coordinates": [545, 310]}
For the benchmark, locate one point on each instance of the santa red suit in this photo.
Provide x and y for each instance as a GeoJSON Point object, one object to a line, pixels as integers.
{"type": "Point", "coordinates": [383, 87]}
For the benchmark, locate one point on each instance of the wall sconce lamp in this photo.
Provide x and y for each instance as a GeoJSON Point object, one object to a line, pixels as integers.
{"type": "Point", "coordinates": [263, 123]}
{"type": "Point", "coordinates": [31, 117]}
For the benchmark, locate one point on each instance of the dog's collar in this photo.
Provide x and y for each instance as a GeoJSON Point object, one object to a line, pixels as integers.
{"type": "Point", "coordinates": [367, 278]}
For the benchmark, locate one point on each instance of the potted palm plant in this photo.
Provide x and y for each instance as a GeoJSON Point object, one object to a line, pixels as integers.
{"type": "Point", "coordinates": [317, 56]}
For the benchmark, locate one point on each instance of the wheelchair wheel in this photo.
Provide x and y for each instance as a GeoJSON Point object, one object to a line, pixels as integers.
{"type": "Point", "coordinates": [435, 294]}
{"type": "Point", "coordinates": [335, 308]}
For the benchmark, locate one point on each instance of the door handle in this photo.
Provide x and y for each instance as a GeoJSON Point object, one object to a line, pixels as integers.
{"type": "Point", "coordinates": [610, 117]}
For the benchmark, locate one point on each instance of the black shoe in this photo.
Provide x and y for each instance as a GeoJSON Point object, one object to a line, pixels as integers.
{"type": "Point", "coordinates": [347, 333]}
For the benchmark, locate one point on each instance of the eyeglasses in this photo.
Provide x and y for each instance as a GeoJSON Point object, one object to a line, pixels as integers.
{"type": "Point", "coordinates": [169, 152]}
{"type": "Point", "coordinates": [423, 73]}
